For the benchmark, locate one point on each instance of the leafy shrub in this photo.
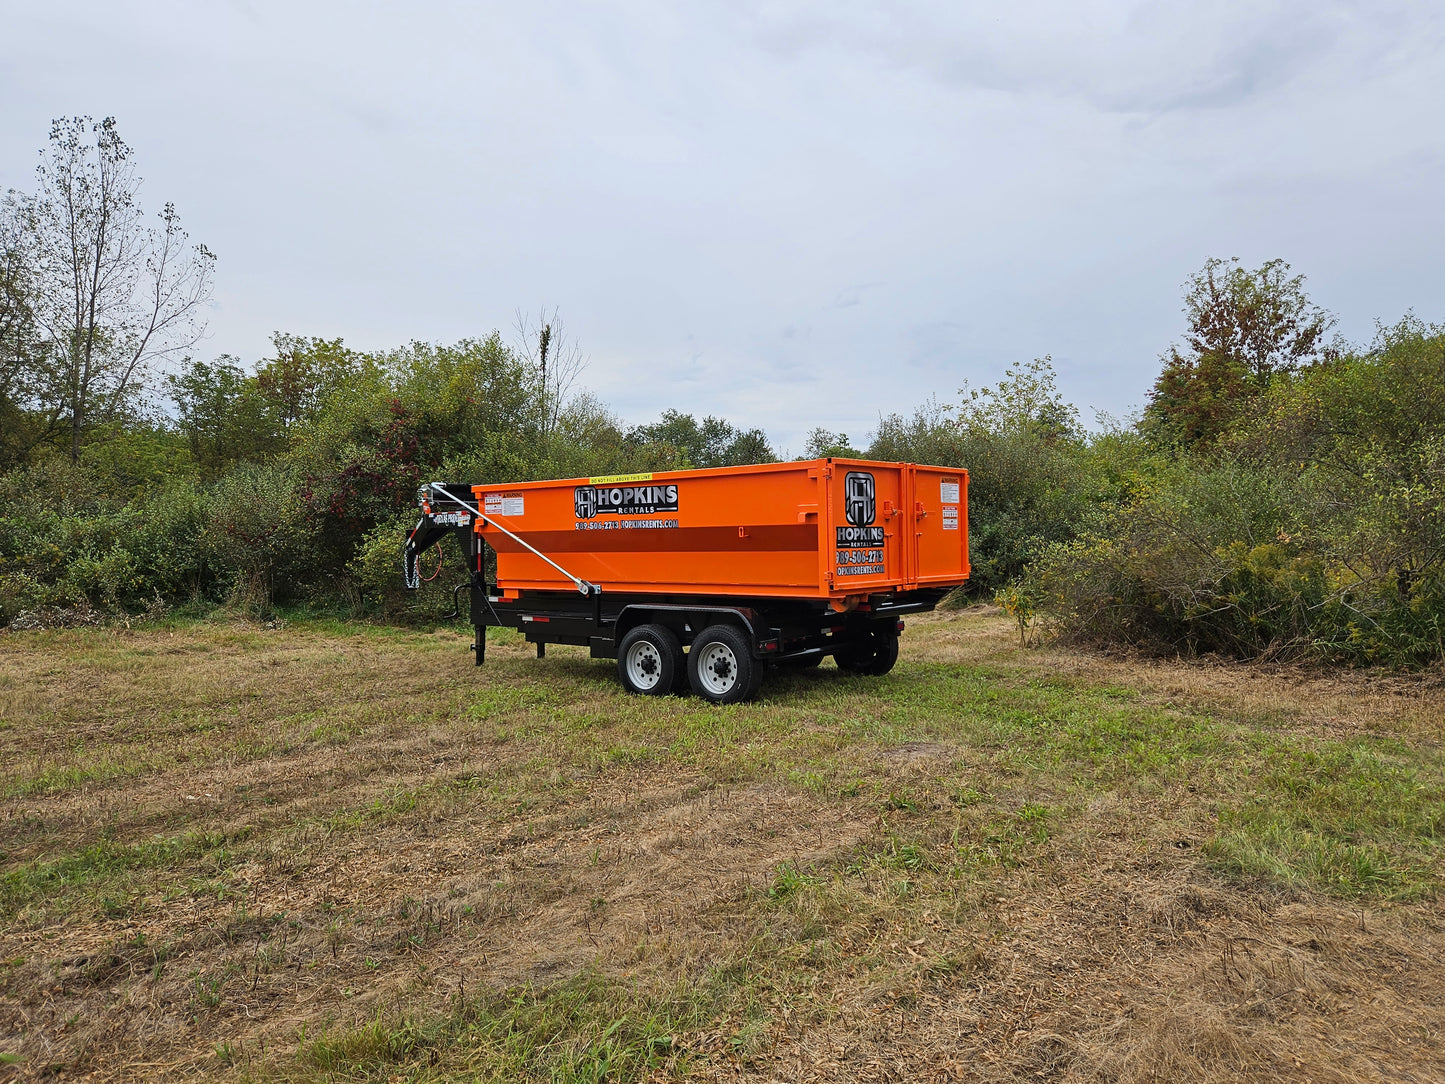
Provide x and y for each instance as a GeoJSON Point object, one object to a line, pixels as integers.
{"type": "Point", "coordinates": [1231, 561]}
{"type": "Point", "coordinates": [20, 593]}
{"type": "Point", "coordinates": [63, 542]}
{"type": "Point", "coordinates": [1315, 526]}
{"type": "Point", "coordinates": [168, 542]}
{"type": "Point", "coordinates": [377, 566]}
{"type": "Point", "coordinates": [1033, 478]}
{"type": "Point", "coordinates": [258, 533]}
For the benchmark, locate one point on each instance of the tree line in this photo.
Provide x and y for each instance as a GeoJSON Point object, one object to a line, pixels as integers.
{"type": "Point", "coordinates": [1281, 494]}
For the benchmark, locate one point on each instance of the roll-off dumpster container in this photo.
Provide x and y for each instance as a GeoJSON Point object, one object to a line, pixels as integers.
{"type": "Point", "coordinates": [800, 560]}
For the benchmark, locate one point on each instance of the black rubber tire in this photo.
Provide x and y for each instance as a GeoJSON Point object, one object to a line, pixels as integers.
{"type": "Point", "coordinates": [681, 686]}
{"type": "Point", "coordinates": [871, 653]}
{"type": "Point", "coordinates": [649, 660]}
{"type": "Point", "coordinates": [721, 667]}
{"type": "Point", "coordinates": [886, 656]}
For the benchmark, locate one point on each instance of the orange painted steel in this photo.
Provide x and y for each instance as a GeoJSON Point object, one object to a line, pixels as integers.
{"type": "Point", "coordinates": [822, 528]}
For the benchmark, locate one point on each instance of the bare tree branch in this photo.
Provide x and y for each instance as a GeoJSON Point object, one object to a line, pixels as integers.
{"type": "Point", "coordinates": [556, 358]}
{"type": "Point", "coordinates": [117, 296]}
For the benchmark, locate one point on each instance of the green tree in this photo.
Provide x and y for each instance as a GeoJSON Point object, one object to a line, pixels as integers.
{"type": "Point", "coordinates": [748, 446]}
{"type": "Point", "coordinates": [22, 355]}
{"type": "Point", "coordinates": [306, 372]}
{"type": "Point", "coordinates": [826, 444]}
{"type": "Point", "coordinates": [588, 439]}
{"type": "Point", "coordinates": [1033, 479]}
{"type": "Point", "coordinates": [679, 440]}
{"type": "Point", "coordinates": [931, 435]}
{"type": "Point", "coordinates": [1026, 402]}
{"type": "Point", "coordinates": [224, 415]}
{"type": "Point", "coordinates": [463, 412]}
{"type": "Point", "coordinates": [1244, 328]}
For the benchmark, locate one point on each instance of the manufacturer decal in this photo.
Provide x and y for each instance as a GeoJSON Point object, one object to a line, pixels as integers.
{"type": "Point", "coordinates": [590, 501]}
{"type": "Point", "coordinates": [452, 519]}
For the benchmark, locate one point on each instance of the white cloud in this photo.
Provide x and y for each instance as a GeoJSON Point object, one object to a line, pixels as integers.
{"type": "Point", "coordinates": [793, 219]}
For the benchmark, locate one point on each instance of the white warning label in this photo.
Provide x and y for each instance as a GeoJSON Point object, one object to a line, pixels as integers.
{"type": "Point", "coordinates": [505, 504]}
{"type": "Point", "coordinates": [950, 519]}
{"type": "Point", "coordinates": [948, 491]}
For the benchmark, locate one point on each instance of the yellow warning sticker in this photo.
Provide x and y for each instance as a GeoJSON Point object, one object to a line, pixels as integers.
{"type": "Point", "coordinates": [619, 479]}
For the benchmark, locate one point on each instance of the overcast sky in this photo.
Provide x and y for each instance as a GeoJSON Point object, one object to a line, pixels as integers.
{"type": "Point", "coordinates": [788, 214]}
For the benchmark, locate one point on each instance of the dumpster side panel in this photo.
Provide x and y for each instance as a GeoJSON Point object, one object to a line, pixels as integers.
{"type": "Point", "coordinates": [738, 531]}
{"type": "Point", "coordinates": [814, 529]}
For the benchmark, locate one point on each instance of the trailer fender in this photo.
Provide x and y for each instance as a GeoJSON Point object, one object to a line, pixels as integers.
{"type": "Point", "coordinates": [678, 617]}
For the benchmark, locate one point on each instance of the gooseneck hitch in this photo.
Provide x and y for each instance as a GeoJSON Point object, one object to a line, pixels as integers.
{"type": "Point", "coordinates": [582, 585]}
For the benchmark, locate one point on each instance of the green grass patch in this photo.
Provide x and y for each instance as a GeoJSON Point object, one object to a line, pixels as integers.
{"type": "Point", "coordinates": [102, 867]}
{"type": "Point", "coordinates": [54, 778]}
{"type": "Point", "coordinates": [1355, 819]}
{"type": "Point", "coordinates": [585, 1030]}
{"type": "Point", "coordinates": [396, 803]}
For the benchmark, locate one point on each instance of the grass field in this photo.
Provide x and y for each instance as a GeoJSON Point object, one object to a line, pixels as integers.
{"type": "Point", "coordinates": [324, 852]}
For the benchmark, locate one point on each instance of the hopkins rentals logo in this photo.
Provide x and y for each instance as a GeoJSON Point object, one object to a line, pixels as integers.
{"type": "Point", "coordinates": [629, 500]}
{"type": "Point", "coordinates": [585, 498]}
{"type": "Point", "coordinates": [860, 506]}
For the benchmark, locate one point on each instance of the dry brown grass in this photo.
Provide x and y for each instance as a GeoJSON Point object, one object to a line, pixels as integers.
{"type": "Point", "coordinates": [1332, 702]}
{"type": "Point", "coordinates": [1126, 964]}
{"type": "Point", "coordinates": [258, 836]}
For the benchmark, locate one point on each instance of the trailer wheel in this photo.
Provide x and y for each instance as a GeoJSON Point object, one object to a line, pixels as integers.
{"type": "Point", "coordinates": [871, 653]}
{"type": "Point", "coordinates": [648, 660]}
{"type": "Point", "coordinates": [721, 668]}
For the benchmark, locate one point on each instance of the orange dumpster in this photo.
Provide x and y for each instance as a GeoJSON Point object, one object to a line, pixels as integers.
{"type": "Point", "coordinates": [773, 551]}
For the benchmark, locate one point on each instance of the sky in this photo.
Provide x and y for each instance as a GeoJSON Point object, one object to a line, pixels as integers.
{"type": "Point", "coordinates": [788, 215]}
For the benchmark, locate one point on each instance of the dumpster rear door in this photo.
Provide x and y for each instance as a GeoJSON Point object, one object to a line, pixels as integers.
{"type": "Point", "coordinates": [940, 524]}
